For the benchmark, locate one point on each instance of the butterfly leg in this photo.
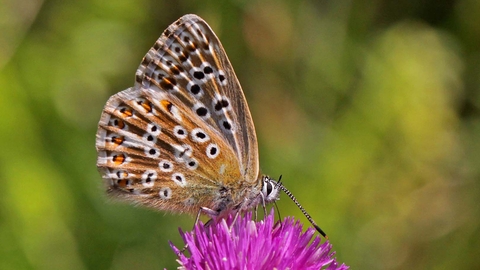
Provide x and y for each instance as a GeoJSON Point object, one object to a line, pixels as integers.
{"type": "Point", "coordinates": [213, 213]}
{"type": "Point", "coordinates": [197, 218]}
{"type": "Point", "coordinates": [234, 220]}
{"type": "Point", "coordinates": [209, 222]}
{"type": "Point", "coordinates": [264, 205]}
{"type": "Point", "coordinates": [209, 212]}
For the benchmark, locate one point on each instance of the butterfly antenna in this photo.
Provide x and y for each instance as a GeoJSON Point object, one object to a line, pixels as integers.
{"type": "Point", "coordinates": [279, 181]}
{"type": "Point", "coordinates": [289, 194]}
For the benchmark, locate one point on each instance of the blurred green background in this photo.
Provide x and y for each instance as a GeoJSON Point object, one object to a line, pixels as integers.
{"type": "Point", "coordinates": [369, 109]}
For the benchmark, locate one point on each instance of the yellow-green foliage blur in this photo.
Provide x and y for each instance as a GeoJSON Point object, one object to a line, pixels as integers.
{"type": "Point", "coordinates": [369, 109]}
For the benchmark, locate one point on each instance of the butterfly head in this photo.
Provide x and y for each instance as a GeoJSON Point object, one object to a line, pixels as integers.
{"type": "Point", "coordinates": [270, 189]}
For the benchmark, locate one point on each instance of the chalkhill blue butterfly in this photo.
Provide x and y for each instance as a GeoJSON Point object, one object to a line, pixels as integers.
{"type": "Point", "coordinates": [182, 138]}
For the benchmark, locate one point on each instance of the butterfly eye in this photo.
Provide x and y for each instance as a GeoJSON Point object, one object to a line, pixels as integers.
{"type": "Point", "coordinates": [269, 188]}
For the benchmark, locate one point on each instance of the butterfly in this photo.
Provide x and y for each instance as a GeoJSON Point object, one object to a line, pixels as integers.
{"type": "Point", "coordinates": [182, 139]}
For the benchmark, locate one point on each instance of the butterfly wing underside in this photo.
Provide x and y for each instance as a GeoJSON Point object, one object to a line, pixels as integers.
{"type": "Point", "coordinates": [183, 130]}
{"type": "Point", "coordinates": [189, 45]}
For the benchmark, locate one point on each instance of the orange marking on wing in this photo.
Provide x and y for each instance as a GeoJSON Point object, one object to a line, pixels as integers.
{"type": "Point", "coordinates": [120, 124]}
{"type": "Point", "coordinates": [167, 105]}
{"type": "Point", "coordinates": [147, 106]}
{"type": "Point", "coordinates": [122, 183]}
{"type": "Point", "coordinates": [118, 159]}
{"type": "Point", "coordinates": [118, 140]}
{"type": "Point", "coordinates": [127, 112]}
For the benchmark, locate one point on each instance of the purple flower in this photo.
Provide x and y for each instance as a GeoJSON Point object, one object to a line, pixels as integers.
{"type": "Point", "coordinates": [255, 245]}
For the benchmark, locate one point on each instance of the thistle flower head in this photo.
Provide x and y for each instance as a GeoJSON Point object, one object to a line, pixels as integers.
{"type": "Point", "coordinates": [246, 244]}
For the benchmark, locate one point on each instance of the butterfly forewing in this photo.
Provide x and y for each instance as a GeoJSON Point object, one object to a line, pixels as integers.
{"type": "Point", "coordinates": [184, 130]}
{"type": "Point", "coordinates": [189, 61]}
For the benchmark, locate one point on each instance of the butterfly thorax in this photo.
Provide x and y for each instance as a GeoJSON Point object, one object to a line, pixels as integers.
{"type": "Point", "coordinates": [243, 197]}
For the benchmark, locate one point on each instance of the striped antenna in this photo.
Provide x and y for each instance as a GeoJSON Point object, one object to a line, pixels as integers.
{"type": "Point", "coordinates": [289, 194]}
